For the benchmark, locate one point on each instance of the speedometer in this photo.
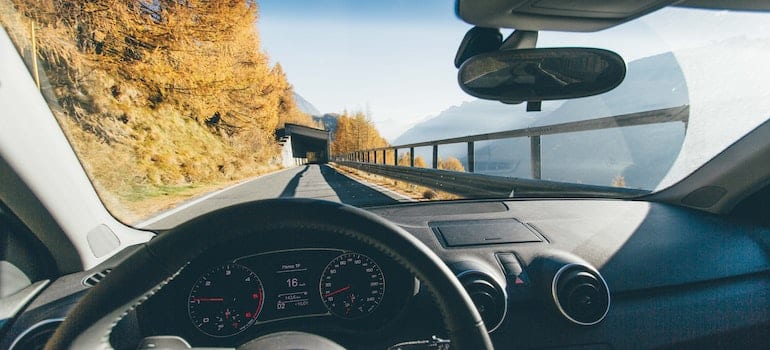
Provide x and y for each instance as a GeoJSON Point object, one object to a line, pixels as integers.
{"type": "Point", "coordinates": [352, 286]}
{"type": "Point", "coordinates": [226, 300]}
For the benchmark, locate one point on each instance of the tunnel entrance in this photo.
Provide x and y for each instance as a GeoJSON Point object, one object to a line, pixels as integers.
{"type": "Point", "coordinates": [303, 144]}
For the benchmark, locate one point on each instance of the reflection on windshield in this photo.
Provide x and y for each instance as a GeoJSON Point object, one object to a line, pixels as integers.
{"type": "Point", "coordinates": [167, 103]}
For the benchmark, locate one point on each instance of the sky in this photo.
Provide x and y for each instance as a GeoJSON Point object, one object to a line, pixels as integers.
{"type": "Point", "coordinates": [394, 60]}
{"type": "Point", "coordinates": [396, 65]}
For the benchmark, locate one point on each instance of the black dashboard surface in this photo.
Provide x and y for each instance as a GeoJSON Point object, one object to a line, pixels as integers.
{"type": "Point", "coordinates": [677, 277]}
{"type": "Point", "coordinates": [635, 245]}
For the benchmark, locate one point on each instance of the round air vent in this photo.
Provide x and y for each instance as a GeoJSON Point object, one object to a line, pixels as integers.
{"type": "Point", "coordinates": [581, 294]}
{"type": "Point", "coordinates": [489, 297]}
{"type": "Point", "coordinates": [35, 337]}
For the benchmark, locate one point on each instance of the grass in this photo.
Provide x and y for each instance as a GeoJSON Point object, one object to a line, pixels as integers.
{"type": "Point", "coordinates": [145, 201]}
{"type": "Point", "coordinates": [156, 158]}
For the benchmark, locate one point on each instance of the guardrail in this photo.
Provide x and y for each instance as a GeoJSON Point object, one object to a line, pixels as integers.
{"type": "Point", "coordinates": [465, 183]}
{"type": "Point", "coordinates": [480, 185]}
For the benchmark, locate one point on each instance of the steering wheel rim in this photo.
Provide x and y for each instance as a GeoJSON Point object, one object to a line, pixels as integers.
{"type": "Point", "coordinates": [161, 259]}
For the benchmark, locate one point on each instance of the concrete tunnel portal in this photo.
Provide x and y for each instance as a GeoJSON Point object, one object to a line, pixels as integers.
{"type": "Point", "coordinates": [303, 144]}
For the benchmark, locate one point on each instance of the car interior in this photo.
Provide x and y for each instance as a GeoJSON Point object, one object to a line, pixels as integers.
{"type": "Point", "coordinates": [683, 267]}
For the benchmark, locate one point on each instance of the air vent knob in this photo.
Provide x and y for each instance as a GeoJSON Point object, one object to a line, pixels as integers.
{"type": "Point", "coordinates": [483, 295]}
{"type": "Point", "coordinates": [581, 294]}
{"type": "Point", "coordinates": [488, 297]}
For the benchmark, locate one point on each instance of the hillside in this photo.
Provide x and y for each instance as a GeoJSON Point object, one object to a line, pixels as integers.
{"type": "Point", "coordinates": [161, 101]}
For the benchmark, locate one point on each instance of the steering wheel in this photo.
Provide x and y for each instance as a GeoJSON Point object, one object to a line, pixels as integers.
{"type": "Point", "coordinates": [157, 262]}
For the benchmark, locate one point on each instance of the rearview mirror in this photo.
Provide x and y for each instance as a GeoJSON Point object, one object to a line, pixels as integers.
{"type": "Point", "coordinates": [514, 76]}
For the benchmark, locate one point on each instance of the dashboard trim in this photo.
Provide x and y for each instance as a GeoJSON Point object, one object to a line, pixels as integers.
{"type": "Point", "coordinates": [32, 328]}
{"type": "Point", "coordinates": [288, 250]}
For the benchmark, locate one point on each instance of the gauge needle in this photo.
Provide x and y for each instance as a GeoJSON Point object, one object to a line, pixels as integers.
{"type": "Point", "coordinates": [208, 299]}
{"type": "Point", "coordinates": [338, 291]}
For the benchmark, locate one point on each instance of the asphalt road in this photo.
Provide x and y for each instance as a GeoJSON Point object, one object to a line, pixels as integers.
{"type": "Point", "coordinates": [308, 181]}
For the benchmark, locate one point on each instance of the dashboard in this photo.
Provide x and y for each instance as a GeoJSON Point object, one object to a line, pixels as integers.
{"type": "Point", "coordinates": [656, 276]}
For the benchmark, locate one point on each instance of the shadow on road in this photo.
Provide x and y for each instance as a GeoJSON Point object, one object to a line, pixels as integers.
{"type": "Point", "coordinates": [352, 192]}
{"type": "Point", "coordinates": [291, 188]}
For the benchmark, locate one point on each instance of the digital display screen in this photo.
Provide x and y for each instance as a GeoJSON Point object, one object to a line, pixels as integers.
{"type": "Point", "coordinates": [291, 281]}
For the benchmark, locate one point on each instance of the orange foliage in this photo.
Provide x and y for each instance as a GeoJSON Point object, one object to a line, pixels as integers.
{"type": "Point", "coordinates": [419, 162]}
{"type": "Point", "coordinates": [357, 132]}
{"type": "Point", "coordinates": [451, 163]}
{"type": "Point", "coordinates": [157, 93]}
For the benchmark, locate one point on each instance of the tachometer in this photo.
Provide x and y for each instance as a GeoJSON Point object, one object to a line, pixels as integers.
{"type": "Point", "coordinates": [352, 286]}
{"type": "Point", "coordinates": [226, 300]}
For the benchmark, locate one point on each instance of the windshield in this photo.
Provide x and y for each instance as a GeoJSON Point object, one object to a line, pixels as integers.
{"type": "Point", "coordinates": [178, 108]}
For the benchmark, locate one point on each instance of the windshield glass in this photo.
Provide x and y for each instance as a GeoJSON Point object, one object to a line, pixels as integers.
{"type": "Point", "coordinates": [178, 108]}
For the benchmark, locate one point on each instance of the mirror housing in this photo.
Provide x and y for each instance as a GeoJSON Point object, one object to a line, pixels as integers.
{"type": "Point", "coordinates": [515, 76]}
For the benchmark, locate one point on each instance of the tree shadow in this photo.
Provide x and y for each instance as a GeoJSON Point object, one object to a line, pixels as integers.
{"type": "Point", "coordinates": [291, 188]}
{"type": "Point", "coordinates": [352, 192]}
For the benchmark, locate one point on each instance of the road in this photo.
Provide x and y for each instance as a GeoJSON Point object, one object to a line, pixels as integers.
{"type": "Point", "coordinates": [308, 181]}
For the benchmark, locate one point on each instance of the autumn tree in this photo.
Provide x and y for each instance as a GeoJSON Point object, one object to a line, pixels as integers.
{"type": "Point", "coordinates": [451, 163]}
{"type": "Point", "coordinates": [404, 160]}
{"type": "Point", "coordinates": [356, 132]}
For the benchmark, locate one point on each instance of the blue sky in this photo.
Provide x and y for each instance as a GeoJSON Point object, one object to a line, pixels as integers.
{"type": "Point", "coordinates": [379, 57]}
{"type": "Point", "coordinates": [394, 59]}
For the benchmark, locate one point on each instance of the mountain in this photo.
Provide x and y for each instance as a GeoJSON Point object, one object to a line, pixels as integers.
{"type": "Point", "coordinates": [328, 120]}
{"type": "Point", "coordinates": [305, 106]}
{"type": "Point", "coordinates": [651, 83]}
{"type": "Point", "coordinates": [474, 117]}
{"type": "Point", "coordinates": [638, 156]}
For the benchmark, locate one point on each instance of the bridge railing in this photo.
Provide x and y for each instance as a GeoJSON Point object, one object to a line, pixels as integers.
{"type": "Point", "coordinates": [376, 160]}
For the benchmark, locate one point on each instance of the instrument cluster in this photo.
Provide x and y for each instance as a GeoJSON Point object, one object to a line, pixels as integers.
{"type": "Point", "coordinates": [244, 296]}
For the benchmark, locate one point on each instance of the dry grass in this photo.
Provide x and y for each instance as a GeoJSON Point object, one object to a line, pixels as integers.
{"type": "Point", "coordinates": [410, 190]}
{"type": "Point", "coordinates": [155, 199]}
{"type": "Point", "coordinates": [152, 163]}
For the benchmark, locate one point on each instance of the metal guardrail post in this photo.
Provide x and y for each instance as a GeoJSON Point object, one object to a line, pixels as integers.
{"type": "Point", "coordinates": [534, 152]}
{"type": "Point", "coordinates": [395, 156]}
{"type": "Point", "coordinates": [471, 157]}
{"type": "Point", "coordinates": [411, 157]}
{"type": "Point", "coordinates": [435, 156]}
